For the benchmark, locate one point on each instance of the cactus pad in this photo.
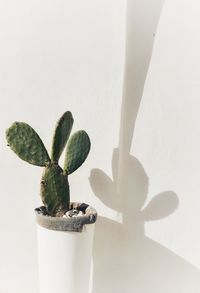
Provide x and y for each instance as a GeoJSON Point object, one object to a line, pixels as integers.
{"type": "Point", "coordinates": [78, 148]}
{"type": "Point", "coordinates": [27, 144]}
{"type": "Point", "coordinates": [55, 190]}
{"type": "Point", "coordinates": [61, 135]}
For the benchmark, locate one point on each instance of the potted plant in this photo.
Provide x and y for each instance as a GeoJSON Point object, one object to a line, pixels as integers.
{"type": "Point", "coordinates": [64, 235]}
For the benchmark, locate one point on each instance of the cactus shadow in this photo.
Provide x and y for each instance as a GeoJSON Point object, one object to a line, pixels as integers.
{"type": "Point", "coordinates": [125, 259]}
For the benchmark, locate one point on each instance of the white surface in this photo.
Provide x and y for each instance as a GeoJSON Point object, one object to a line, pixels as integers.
{"type": "Point", "coordinates": [65, 260]}
{"type": "Point", "coordinates": [59, 55]}
{"type": "Point", "coordinates": [55, 56]}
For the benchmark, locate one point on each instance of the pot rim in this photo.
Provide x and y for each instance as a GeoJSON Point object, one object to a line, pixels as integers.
{"type": "Point", "coordinates": [73, 224]}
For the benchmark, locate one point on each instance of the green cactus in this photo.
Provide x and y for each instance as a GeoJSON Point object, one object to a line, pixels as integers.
{"type": "Point", "coordinates": [55, 189]}
{"type": "Point", "coordinates": [77, 150]}
{"type": "Point", "coordinates": [26, 143]}
{"type": "Point", "coordinates": [61, 135]}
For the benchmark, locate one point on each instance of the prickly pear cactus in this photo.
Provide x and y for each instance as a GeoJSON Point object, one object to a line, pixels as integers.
{"type": "Point", "coordinates": [27, 144]}
{"type": "Point", "coordinates": [77, 151]}
{"type": "Point", "coordinates": [61, 135]}
{"type": "Point", "coordinates": [55, 190]}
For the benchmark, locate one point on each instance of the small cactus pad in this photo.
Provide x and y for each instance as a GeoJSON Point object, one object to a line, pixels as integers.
{"type": "Point", "coordinates": [55, 190]}
{"type": "Point", "coordinates": [61, 135]}
{"type": "Point", "coordinates": [27, 144]}
{"type": "Point", "coordinates": [77, 150]}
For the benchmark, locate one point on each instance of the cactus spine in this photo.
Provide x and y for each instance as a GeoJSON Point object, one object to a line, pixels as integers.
{"type": "Point", "coordinates": [27, 144]}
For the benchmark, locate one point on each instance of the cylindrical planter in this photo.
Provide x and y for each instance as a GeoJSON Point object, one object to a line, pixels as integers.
{"type": "Point", "coordinates": [65, 251]}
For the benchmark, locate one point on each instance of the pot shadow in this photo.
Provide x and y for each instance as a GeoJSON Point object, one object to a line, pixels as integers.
{"type": "Point", "coordinates": [125, 259]}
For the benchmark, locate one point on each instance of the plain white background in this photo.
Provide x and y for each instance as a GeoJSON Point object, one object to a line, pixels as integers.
{"type": "Point", "coordinates": [129, 72]}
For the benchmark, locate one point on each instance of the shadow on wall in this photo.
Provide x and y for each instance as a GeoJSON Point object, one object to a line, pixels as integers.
{"type": "Point", "coordinates": [125, 260]}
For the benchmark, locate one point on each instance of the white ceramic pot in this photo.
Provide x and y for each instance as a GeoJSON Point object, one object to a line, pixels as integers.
{"type": "Point", "coordinates": [64, 257]}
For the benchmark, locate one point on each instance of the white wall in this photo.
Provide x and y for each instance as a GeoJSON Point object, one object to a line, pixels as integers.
{"type": "Point", "coordinates": [167, 142]}
{"type": "Point", "coordinates": [60, 55]}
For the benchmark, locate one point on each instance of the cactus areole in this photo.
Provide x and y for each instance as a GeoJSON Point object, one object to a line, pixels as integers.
{"type": "Point", "coordinates": [54, 186]}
